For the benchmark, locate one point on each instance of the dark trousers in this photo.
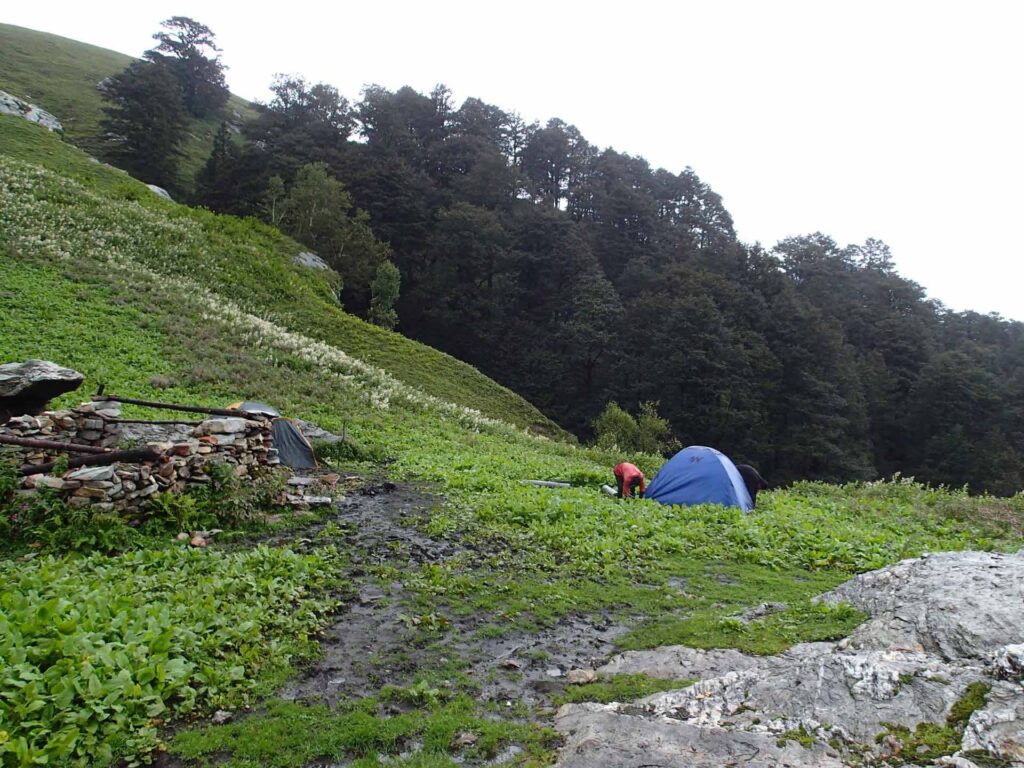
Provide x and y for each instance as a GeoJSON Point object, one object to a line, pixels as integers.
{"type": "Point", "coordinates": [633, 485]}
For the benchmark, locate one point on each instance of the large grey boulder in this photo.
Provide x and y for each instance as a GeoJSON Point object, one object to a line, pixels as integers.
{"type": "Point", "coordinates": [12, 105]}
{"type": "Point", "coordinates": [26, 388]}
{"type": "Point", "coordinates": [938, 624]}
{"type": "Point", "coordinates": [958, 605]}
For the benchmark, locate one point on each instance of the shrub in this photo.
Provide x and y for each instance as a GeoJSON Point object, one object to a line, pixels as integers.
{"type": "Point", "coordinates": [615, 428]}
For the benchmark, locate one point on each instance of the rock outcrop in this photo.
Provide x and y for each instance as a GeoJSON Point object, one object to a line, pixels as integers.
{"type": "Point", "coordinates": [26, 388]}
{"type": "Point", "coordinates": [939, 624]}
{"type": "Point", "coordinates": [160, 192]}
{"type": "Point", "coordinates": [310, 259]}
{"type": "Point", "coordinates": [12, 105]}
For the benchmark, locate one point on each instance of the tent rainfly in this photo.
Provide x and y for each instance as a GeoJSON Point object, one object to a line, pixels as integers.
{"type": "Point", "coordinates": [700, 475]}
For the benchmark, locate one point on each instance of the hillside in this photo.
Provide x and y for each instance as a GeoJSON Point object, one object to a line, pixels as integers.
{"type": "Point", "coordinates": [60, 75]}
{"type": "Point", "coordinates": [436, 617]}
{"type": "Point", "coordinates": [251, 266]}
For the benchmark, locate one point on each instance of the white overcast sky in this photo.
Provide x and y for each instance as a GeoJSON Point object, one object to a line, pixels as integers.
{"type": "Point", "coordinates": [898, 120]}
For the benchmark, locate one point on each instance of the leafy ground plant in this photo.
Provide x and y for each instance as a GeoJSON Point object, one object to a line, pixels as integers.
{"type": "Point", "coordinates": [292, 735]}
{"type": "Point", "coordinates": [97, 652]}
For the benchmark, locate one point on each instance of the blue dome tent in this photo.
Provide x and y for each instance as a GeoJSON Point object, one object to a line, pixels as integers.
{"type": "Point", "coordinates": [700, 475]}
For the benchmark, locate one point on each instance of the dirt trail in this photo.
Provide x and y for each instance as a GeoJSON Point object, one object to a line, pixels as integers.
{"type": "Point", "coordinates": [372, 643]}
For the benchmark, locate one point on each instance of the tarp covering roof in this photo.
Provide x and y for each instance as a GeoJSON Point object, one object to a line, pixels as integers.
{"type": "Point", "coordinates": [293, 448]}
{"type": "Point", "coordinates": [700, 475]}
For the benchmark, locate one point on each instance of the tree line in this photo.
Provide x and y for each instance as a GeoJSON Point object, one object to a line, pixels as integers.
{"type": "Point", "coordinates": [579, 276]}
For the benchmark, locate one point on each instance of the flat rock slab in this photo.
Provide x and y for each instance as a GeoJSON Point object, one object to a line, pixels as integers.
{"type": "Point", "coordinates": [938, 624]}
{"type": "Point", "coordinates": [26, 388]}
{"type": "Point", "coordinates": [597, 736]}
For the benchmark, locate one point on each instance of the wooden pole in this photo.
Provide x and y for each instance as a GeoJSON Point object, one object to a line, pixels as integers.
{"type": "Point", "coordinates": [175, 407]}
{"type": "Point", "coordinates": [134, 455]}
{"type": "Point", "coordinates": [50, 445]}
{"type": "Point", "coordinates": [148, 421]}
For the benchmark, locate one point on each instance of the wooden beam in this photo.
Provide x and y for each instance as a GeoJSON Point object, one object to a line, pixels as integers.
{"type": "Point", "coordinates": [134, 456]}
{"type": "Point", "coordinates": [50, 445]}
{"type": "Point", "coordinates": [176, 407]}
{"type": "Point", "coordinates": [148, 421]}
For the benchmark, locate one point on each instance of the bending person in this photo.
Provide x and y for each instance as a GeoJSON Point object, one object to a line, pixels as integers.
{"type": "Point", "coordinates": [629, 479]}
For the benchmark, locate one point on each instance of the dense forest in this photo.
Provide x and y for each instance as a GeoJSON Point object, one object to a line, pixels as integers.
{"type": "Point", "coordinates": [578, 276]}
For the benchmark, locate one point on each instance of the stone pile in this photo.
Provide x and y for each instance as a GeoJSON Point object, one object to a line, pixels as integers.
{"type": "Point", "coordinates": [310, 491]}
{"type": "Point", "coordinates": [92, 424]}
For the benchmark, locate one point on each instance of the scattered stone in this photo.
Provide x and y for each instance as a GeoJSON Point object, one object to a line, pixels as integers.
{"type": "Point", "coordinates": [221, 716]}
{"type": "Point", "coordinates": [511, 664]}
{"type": "Point", "coordinates": [760, 611]}
{"type": "Point", "coordinates": [245, 444]}
{"type": "Point", "coordinates": [553, 672]}
{"type": "Point", "coordinates": [55, 483]}
{"type": "Point", "coordinates": [955, 762]}
{"type": "Point", "coordinates": [465, 739]}
{"type": "Point", "coordinates": [581, 676]}
{"type": "Point", "coordinates": [370, 593]}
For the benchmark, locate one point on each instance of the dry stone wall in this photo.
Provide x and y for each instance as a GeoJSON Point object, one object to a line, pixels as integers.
{"type": "Point", "coordinates": [244, 444]}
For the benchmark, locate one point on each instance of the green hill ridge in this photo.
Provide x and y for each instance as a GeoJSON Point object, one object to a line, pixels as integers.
{"type": "Point", "coordinates": [60, 75]}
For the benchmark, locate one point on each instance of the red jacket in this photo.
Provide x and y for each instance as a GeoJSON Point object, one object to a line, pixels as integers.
{"type": "Point", "coordinates": [629, 473]}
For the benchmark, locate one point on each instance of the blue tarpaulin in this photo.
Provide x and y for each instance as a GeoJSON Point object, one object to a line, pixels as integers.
{"type": "Point", "coordinates": [700, 475]}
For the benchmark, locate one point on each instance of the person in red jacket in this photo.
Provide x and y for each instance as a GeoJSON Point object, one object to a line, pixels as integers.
{"type": "Point", "coordinates": [629, 479]}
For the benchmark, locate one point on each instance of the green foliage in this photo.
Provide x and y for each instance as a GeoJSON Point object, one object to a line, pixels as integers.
{"type": "Point", "coordinates": [621, 688]}
{"type": "Point", "coordinates": [648, 433]}
{"type": "Point", "coordinates": [655, 433]}
{"type": "Point", "coordinates": [799, 735]}
{"type": "Point", "coordinates": [96, 652]}
{"type": "Point", "coordinates": [145, 122]}
{"type": "Point", "coordinates": [292, 735]}
{"type": "Point", "coordinates": [101, 276]}
{"type": "Point", "coordinates": [43, 521]}
{"type": "Point", "coordinates": [183, 51]}
{"type": "Point", "coordinates": [616, 429]}
{"type": "Point", "coordinates": [318, 212]}
{"type": "Point", "coordinates": [348, 450]}
{"type": "Point", "coordinates": [384, 295]}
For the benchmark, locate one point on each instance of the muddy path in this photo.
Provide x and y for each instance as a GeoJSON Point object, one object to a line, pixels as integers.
{"type": "Point", "coordinates": [375, 641]}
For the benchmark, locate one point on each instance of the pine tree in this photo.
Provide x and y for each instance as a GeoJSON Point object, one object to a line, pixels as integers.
{"type": "Point", "coordinates": [145, 122]}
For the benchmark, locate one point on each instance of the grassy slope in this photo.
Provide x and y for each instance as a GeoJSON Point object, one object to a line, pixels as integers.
{"type": "Point", "coordinates": [98, 274]}
{"type": "Point", "coordinates": [250, 264]}
{"type": "Point", "coordinates": [60, 75]}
